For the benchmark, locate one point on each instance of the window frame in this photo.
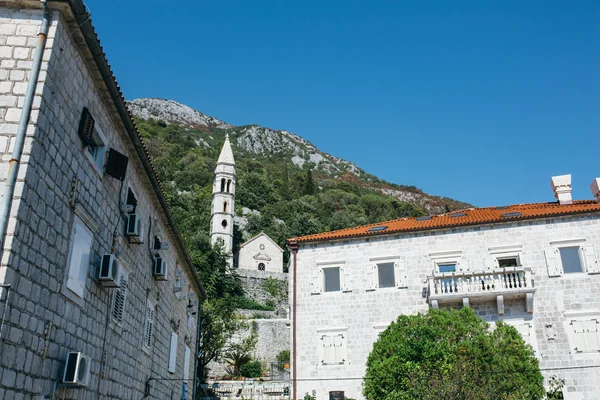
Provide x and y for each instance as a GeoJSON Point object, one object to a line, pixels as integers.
{"type": "Point", "coordinates": [439, 258]}
{"type": "Point", "coordinates": [581, 316]}
{"type": "Point", "coordinates": [339, 280]}
{"type": "Point", "coordinates": [400, 272]}
{"type": "Point", "coordinates": [77, 286]}
{"type": "Point", "coordinates": [99, 159]}
{"type": "Point", "coordinates": [317, 277]}
{"type": "Point", "coordinates": [503, 252]}
{"type": "Point", "coordinates": [588, 258]}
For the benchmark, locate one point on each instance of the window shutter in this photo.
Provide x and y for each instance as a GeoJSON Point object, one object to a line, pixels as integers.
{"type": "Point", "coordinates": [579, 336]}
{"type": "Point", "coordinates": [592, 335]}
{"type": "Point", "coordinates": [173, 353]}
{"type": "Point", "coordinates": [400, 274]}
{"type": "Point", "coordinates": [80, 258]}
{"type": "Point", "coordinates": [525, 330]}
{"type": "Point", "coordinates": [186, 363]}
{"type": "Point", "coordinates": [149, 330]}
{"type": "Point", "coordinates": [552, 262]}
{"type": "Point", "coordinates": [316, 280]}
{"type": "Point", "coordinates": [464, 265]}
{"type": "Point", "coordinates": [338, 345]}
{"type": "Point", "coordinates": [372, 277]}
{"type": "Point", "coordinates": [328, 349]}
{"type": "Point", "coordinates": [120, 297]}
{"type": "Point", "coordinates": [592, 266]}
{"type": "Point", "coordinates": [345, 279]}
{"type": "Point", "coordinates": [488, 263]}
{"type": "Point", "coordinates": [86, 127]}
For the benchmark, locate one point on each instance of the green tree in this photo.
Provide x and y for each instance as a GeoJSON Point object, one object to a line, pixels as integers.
{"type": "Point", "coordinates": [451, 354]}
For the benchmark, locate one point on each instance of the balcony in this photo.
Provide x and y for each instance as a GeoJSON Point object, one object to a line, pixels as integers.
{"type": "Point", "coordinates": [452, 287]}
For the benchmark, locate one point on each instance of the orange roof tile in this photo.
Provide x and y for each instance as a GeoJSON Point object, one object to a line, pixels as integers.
{"type": "Point", "coordinates": [470, 216]}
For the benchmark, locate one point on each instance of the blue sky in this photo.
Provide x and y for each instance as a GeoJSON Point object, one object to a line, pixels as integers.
{"type": "Point", "coordinates": [481, 101]}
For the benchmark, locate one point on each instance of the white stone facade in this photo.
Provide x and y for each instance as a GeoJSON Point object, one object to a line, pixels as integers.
{"type": "Point", "coordinates": [352, 317]}
{"type": "Point", "coordinates": [261, 253]}
{"type": "Point", "coordinates": [45, 319]}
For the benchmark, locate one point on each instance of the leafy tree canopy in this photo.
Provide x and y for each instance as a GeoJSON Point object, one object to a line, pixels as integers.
{"type": "Point", "coordinates": [451, 354]}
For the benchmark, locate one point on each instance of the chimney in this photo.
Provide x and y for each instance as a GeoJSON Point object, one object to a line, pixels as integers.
{"type": "Point", "coordinates": [595, 186]}
{"type": "Point", "coordinates": [562, 189]}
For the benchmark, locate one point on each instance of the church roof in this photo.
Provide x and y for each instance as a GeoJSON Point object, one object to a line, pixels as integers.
{"type": "Point", "coordinates": [471, 216]}
{"type": "Point", "coordinates": [256, 237]}
{"type": "Point", "coordinates": [226, 155]}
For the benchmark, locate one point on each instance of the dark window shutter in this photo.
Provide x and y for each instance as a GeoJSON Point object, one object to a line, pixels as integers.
{"type": "Point", "coordinates": [86, 127]}
{"type": "Point", "coordinates": [116, 166]}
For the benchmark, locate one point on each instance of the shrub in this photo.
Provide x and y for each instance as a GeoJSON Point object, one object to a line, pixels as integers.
{"type": "Point", "coordinates": [283, 356]}
{"type": "Point", "coordinates": [252, 369]}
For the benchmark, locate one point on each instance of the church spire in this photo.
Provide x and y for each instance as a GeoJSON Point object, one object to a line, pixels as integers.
{"type": "Point", "coordinates": [226, 155]}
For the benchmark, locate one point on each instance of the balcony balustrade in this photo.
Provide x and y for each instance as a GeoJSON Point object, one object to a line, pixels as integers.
{"type": "Point", "coordinates": [449, 287]}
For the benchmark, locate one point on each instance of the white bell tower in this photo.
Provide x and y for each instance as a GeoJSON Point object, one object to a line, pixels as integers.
{"type": "Point", "coordinates": [223, 197]}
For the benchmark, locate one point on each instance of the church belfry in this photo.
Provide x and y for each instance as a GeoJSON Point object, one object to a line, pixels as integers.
{"type": "Point", "coordinates": [223, 199]}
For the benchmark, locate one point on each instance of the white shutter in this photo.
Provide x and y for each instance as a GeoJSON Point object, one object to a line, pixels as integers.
{"type": "Point", "coordinates": [345, 279]}
{"type": "Point", "coordinates": [372, 277]}
{"type": "Point", "coordinates": [488, 263]}
{"type": "Point", "coordinates": [592, 265]}
{"type": "Point", "coordinates": [524, 330]}
{"type": "Point", "coordinates": [553, 262]}
{"type": "Point", "coordinates": [120, 298]}
{"type": "Point", "coordinates": [338, 346]}
{"type": "Point", "coordinates": [592, 335]}
{"type": "Point", "coordinates": [328, 349]}
{"type": "Point", "coordinates": [400, 274]}
{"type": "Point", "coordinates": [80, 257]}
{"type": "Point", "coordinates": [316, 280]}
{"type": "Point", "coordinates": [186, 363]}
{"type": "Point", "coordinates": [149, 329]}
{"type": "Point", "coordinates": [464, 265]}
{"type": "Point", "coordinates": [173, 353]}
{"type": "Point", "coordinates": [579, 336]}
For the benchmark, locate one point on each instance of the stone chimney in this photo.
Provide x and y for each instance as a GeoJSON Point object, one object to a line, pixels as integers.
{"type": "Point", "coordinates": [595, 186]}
{"type": "Point", "coordinates": [562, 189]}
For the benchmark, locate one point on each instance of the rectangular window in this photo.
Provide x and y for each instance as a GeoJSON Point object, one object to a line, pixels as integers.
{"type": "Point", "coordinates": [173, 353]}
{"type": "Point", "coordinates": [332, 279]}
{"type": "Point", "coordinates": [120, 298]}
{"type": "Point", "coordinates": [385, 272]}
{"type": "Point", "coordinates": [79, 259]}
{"type": "Point", "coordinates": [334, 348]}
{"type": "Point", "coordinates": [186, 363]}
{"type": "Point", "coordinates": [94, 140]}
{"type": "Point", "coordinates": [586, 335]}
{"type": "Point", "coordinates": [508, 262]}
{"type": "Point", "coordinates": [570, 259]}
{"type": "Point", "coordinates": [149, 326]}
{"type": "Point", "coordinates": [450, 267]}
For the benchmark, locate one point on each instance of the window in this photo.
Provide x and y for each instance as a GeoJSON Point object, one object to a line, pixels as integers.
{"type": "Point", "coordinates": [333, 348]}
{"type": "Point", "coordinates": [386, 275]}
{"type": "Point", "coordinates": [79, 259]}
{"type": "Point", "coordinates": [447, 267]}
{"type": "Point", "coordinates": [149, 326]}
{"type": "Point", "coordinates": [222, 184]}
{"type": "Point", "coordinates": [332, 279]}
{"type": "Point", "coordinates": [120, 298]}
{"type": "Point", "coordinates": [225, 207]}
{"type": "Point", "coordinates": [186, 363]}
{"type": "Point", "coordinates": [93, 138]}
{"type": "Point", "coordinates": [508, 262]}
{"type": "Point", "coordinates": [503, 256]}
{"type": "Point", "coordinates": [583, 328]}
{"type": "Point", "coordinates": [386, 272]}
{"type": "Point", "coordinates": [229, 186]}
{"type": "Point", "coordinates": [224, 224]}
{"type": "Point", "coordinates": [131, 200]}
{"type": "Point", "coordinates": [173, 353]}
{"type": "Point", "coordinates": [261, 266]}
{"type": "Point", "coordinates": [570, 259]}
{"type": "Point", "coordinates": [571, 256]}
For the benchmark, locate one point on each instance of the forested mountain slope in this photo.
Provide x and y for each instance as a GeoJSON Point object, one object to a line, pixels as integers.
{"type": "Point", "coordinates": [286, 186]}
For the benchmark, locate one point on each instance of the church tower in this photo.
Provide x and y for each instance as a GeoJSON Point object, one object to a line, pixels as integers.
{"type": "Point", "coordinates": [223, 197]}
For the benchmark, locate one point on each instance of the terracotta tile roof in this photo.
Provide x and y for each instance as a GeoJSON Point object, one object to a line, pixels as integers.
{"type": "Point", "coordinates": [470, 216]}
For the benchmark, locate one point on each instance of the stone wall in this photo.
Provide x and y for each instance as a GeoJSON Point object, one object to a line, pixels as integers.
{"type": "Point", "coordinates": [361, 313]}
{"type": "Point", "coordinates": [254, 286]}
{"type": "Point", "coordinates": [45, 320]}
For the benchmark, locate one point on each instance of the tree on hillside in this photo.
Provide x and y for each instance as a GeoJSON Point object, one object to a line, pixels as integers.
{"type": "Point", "coordinates": [451, 354]}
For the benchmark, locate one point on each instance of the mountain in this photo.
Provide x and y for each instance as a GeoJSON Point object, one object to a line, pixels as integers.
{"type": "Point", "coordinates": [264, 144]}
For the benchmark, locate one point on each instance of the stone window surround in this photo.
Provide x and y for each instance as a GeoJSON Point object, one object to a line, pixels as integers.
{"type": "Point", "coordinates": [580, 315]}
{"type": "Point", "coordinates": [318, 269]}
{"type": "Point", "coordinates": [447, 257]}
{"type": "Point", "coordinates": [83, 215]}
{"type": "Point", "coordinates": [580, 242]}
{"type": "Point", "coordinates": [499, 252]}
{"type": "Point", "coordinates": [394, 259]}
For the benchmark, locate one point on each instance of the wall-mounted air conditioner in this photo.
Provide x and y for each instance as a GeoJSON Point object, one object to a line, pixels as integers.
{"type": "Point", "coordinates": [77, 369]}
{"type": "Point", "coordinates": [135, 230]}
{"type": "Point", "coordinates": [109, 271]}
{"type": "Point", "coordinates": [160, 269]}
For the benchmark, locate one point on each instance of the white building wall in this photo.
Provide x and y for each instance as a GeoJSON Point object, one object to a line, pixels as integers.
{"type": "Point", "coordinates": [362, 314]}
{"type": "Point", "coordinates": [45, 320]}
{"type": "Point", "coordinates": [263, 247]}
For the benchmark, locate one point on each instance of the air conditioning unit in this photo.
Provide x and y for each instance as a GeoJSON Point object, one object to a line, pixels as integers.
{"type": "Point", "coordinates": [77, 370]}
{"type": "Point", "coordinates": [160, 269]}
{"type": "Point", "coordinates": [108, 274]}
{"type": "Point", "coordinates": [135, 230]}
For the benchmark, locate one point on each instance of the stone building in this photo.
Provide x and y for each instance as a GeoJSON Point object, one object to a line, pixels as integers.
{"type": "Point", "coordinates": [260, 253]}
{"type": "Point", "coordinates": [223, 200]}
{"type": "Point", "coordinates": [534, 266]}
{"type": "Point", "coordinates": [92, 261]}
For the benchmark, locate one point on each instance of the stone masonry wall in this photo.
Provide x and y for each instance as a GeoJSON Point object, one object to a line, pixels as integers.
{"type": "Point", "coordinates": [363, 314]}
{"type": "Point", "coordinates": [45, 320]}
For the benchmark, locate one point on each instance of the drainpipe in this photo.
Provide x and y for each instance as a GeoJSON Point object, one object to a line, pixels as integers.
{"type": "Point", "coordinates": [294, 248]}
{"type": "Point", "coordinates": [13, 169]}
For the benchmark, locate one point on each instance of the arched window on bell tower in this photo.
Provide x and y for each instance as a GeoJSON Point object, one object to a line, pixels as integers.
{"type": "Point", "coordinates": [223, 185]}
{"type": "Point", "coordinates": [228, 185]}
{"type": "Point", "coordinates": [225, 207]}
